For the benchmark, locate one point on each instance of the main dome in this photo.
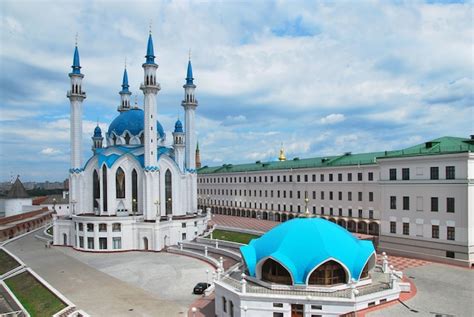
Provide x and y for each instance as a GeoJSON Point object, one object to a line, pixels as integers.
{"type": "Point", "coordinates": [132, 121]}
{"type": "Point", "coordinates": [302, 244]}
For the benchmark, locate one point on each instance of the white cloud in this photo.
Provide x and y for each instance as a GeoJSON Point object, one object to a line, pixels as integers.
{"type": "Point", "coordinates": [50, 151]}
{"type": "Point", "coordinates": [333, 118]}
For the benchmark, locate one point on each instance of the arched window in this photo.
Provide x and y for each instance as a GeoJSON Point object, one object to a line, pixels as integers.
{"type": "Point", "coordinates": [127, 138]}
{"type": "Point", "coordinates": [142, 138]}
{"type": "Point", "coordinates": [168, 191]}
{"type": "Point", "coordinates": [134, 191]}
{"type": "Point", "coordinates": [365, 271]}
{"type": "Point", "coordinates": [95, 190]}
{"type": "Point", "coordinates": [120, 183]}
{"type": "Point", "coordinates": [104, 188]}
{"type": "Point", "coordinates": [329, 273]}
{"type": "Point", "coordinates": [114, 139]}
{"type": "Point", "coordinates": [274, 272]}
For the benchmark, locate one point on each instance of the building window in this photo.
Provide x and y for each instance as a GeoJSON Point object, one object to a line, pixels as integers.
{"type": "Point", "coordinates": [321, 177]}
{"type": "Point", "coordinates": [330, 195]}
{"type": "Point", "coordinates": [359, 196]}
{"type": "Point", "coordinates": [104, 188]}
{"type": "Point", "coordinates": [102, 227]}
{"type": "Point", "coordinates": [406, 228]}
{"type": "Point", "coordinates": [322, 210]}
{"type": "Point", "coordinates": [81, 242]}
{"type": "Point", "coordinates": [434, 172]}
{"type": "Point", "coordinates": [103, 243]}
{"type": "Point", "coordinates": [90, 227]}
{"type": "Point", "coordinates": [393, 227]}
{"type": "Point", "coordinates": [95, 190]}
{"type": "Point", "coordinates": [277, 314]}
{"type": "Point", "coordinates": [360, 213]}
{"type": "Point", "coordinates": [451, 234]}
{"type": "Point", "coordinates": [450, 254]}
{"type": "Point", "coordinates": [322, 195]}
{"type": "Point", "coordinates": [117, 243]}
{"type": "Point", "coordinates": [434, 204]}
{"type": "Point", "coordinates": [168, 192]}
{"type": "Point", "coordinates": [371, 214]}
{"type": "Point", "coordinates": [349, 177]}
{"type": "Point", "coordinates": [435, 232]}
{"type": "Point", "coordinates": [371, 196]}
{"type": "Point", "coordinates": [81, 226]}
{"type": "Point", "coordinates": [371, 176]}
{"type": "Point", "coordinates": [450, 172]}
{"type": "Point", "coordinates": [405, 174]}
{"type": "Point", "coordinates": [183, 236]}
{"type": "Point", "coordinates": [278, 305]}
{"type": "Point", "coordinates": [450, 204]}
{"type": "Point", "coordinates": [274, 272]}
{"type": "Point", "coordinates": [349, 196]}
{"type": "Point", "coordinates": [314, 195]}
{"type": "Point", "coordinates": [340, 212]}
{"type": "Point", "coordinates": [120, 183]}
{"type": "Point", "coordinates": [298, 178]}
{"type": "Point", "coordinates": [393, 202]}
{"type": "Point", "coordinates": [90, 243]}
{"type": "Point", "coordinates": [331, 177]}
{"type": "Point", "coordinates": [339, 195]}
{"type": "Point", "coordinates": [359, 177]}
{"type": "Point", "coordinates": [329, 273]}
{"type": "Point", "coordinates": [224, 304]}
{"type": "Point", "coordinates": [349, 212]}
{"type": "Point", "coordinates": [406, 203]}
{"type": "Point", "coordinates": [339, 177]}
{"type": "Point", "coordinates": [393, 174]}
{"type": "Point", "coordinates": [313, 177]}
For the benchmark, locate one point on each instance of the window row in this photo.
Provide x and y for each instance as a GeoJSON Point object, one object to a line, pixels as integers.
{"type": "Point", "coordinates": [116, 227]}
{"type": "Point", "coordinates": [285, 194]}
{"type": "Point", "coordinates": [450, 231]}
{"type": "Point", "coordinates": [434, 203]}
{"type": "Point", "coordinates": [331, 177]}
{"type": "Point", "coordinates": [116, 243]}
{"type": "Point", "coordinates": [450, 173]}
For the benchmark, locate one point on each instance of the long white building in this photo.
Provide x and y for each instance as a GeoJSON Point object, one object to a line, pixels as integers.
{"type": "Point", "coordinates": [417, 201]}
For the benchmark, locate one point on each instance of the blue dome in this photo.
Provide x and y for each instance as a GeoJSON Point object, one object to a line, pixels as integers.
{"type": "Point", "coordinates": [302, 244]}
{"type": "Point", "coordinates": [133, 122]}
{"type": "Point", "coordinates": [178, 126]}
{"type": "Point", "coordinates": [97, 132]}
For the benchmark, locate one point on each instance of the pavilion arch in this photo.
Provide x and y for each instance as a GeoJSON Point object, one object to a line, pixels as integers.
{"type": "Point", "coordinates": [284, 217]}
{"type": "Point", "coordinates": [369, 264]}
{"type": "Point", "coordinates": [265, 215]}
{"type": "Point", "coordinates": [332, 220]}
{"type": "Point", "coordinates": [373, 228]}
{"type": "Point", "coordinates": [351, 226]}
{"type": "Point", "coordinates": [254, 214]}
{"type": "Point", "coordinates": [273, 271]}
{"type": "Point", "coordinates": [362, 227]}
{"type": "Point", "coordinates": [290, 216]}
{"type": "Point", "coordinates": [330, 272]}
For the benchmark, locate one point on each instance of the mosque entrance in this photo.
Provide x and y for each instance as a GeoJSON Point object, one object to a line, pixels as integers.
{"type": "Point", "coordinates": [297, 310]}
{"type": "Point", "coordinates": [145, 244]}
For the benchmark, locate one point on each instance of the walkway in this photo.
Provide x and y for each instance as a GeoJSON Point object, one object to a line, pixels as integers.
{"type": "Point", "coordinates": [118, 284]}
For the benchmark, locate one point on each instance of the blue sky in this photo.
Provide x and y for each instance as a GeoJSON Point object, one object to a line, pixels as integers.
{"type": "Point", "coordinates": [320, 77]}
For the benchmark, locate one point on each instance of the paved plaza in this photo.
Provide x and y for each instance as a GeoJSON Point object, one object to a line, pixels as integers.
{"type": "Point", "coordinates": [442, 289]}
{"type": "Point", "coordinates": [118, 284]}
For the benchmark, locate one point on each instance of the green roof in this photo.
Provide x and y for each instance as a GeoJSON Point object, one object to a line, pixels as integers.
{"type": "Point", "coordinates": [443, 145]}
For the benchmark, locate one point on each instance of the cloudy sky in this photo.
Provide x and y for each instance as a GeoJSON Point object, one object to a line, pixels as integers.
{"type": "Point", "coordinates": [321, 78]}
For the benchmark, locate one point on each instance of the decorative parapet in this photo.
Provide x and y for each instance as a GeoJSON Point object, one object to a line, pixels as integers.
{"type": "Point", "coordinates": [151, 169]}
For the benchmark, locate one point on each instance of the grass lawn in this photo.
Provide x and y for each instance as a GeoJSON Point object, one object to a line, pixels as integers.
{"type": "Point", "coordinates": [7, 263]}
{"type": "Point", "coordinates": [34, 296]}
{"type": "Point", "coordinates": [50, 230]}
{"type": "Point", "coordinates": [239, 237]}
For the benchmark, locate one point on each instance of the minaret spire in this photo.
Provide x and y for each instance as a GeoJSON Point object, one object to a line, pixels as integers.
{"type": "Point", "coordinates": [282, 156]}
{"type": "Point", "coordinates": [124, 93]}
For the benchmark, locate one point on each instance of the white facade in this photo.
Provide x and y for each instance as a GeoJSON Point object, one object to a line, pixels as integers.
{"type": "Point", "coordinates": [358, 197]}
{"type": "Point", "coordinates": [132, 194]}
{"type": "Point", "coordinates": [16, 206]}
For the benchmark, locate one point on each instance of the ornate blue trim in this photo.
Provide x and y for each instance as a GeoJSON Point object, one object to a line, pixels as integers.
{"type": "Point", "coordinates": [190, 170]}
{"type": "Point", "coordinates": [76, 170]}
{"type": "Point", "coordinates": [151, 168]}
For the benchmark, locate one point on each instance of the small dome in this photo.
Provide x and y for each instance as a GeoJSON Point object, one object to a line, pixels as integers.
{"type": "Point", "coordinates": [178, 126]}
{"type": "Point", "coordinates": [97, 132]}
{"type": "Point", "coordinates": [303, 244]}
{"type": "Point", "coordinates": [133, 122]}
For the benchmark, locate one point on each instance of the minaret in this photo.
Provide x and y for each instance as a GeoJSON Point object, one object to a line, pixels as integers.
{"type": "Point", "coordinates": [124, 93]}
{"type": "Point", "coordinates": [179, 144]}
{"type": "Point", "coordinates": [189, 103]}
{"type": "Point", "coordinates": [76, 96]}
{"type": "Point", "coordinates": [97, 139]}
{"type": "Point", "coordinates": [150, 87]}
{"type": "Point", "coordinates": [198, 156]}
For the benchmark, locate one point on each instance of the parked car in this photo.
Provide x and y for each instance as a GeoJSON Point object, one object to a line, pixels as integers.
{"type": "Point", "coordinates": [200, 288]}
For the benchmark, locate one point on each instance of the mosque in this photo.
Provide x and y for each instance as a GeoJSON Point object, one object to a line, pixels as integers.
{"type": "Point", "coordinates": [134, 192]}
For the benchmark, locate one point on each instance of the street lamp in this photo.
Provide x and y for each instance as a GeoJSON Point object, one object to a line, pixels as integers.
{"type": "Point", "coordinates": [157, 204]}
{"type": "Point", "coordinates": [54, 205]}
{"type": "Point", "coordinates": [194, 310]}
{"type": "Point", "coordinates": [134, 206]}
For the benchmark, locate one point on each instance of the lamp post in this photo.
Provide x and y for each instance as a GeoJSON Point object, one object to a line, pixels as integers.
{"type": "Point", "coordinates": [194, 310]}
{"type": "Point", "coordinates": [157, 204]}
{"type": "Point", "coordinates": [134, 206]}
{"type": "Point", "coordinates": [54, 205]}
{"type": "Point", "coordinates": [73, 202]}
{"type": "Point", "coordinates": [207, 277]}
